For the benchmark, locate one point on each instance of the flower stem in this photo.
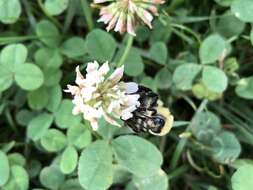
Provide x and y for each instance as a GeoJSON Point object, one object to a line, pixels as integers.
{"type": "Point", "coordinates": [87, 14]}
{"type": "Point", "coordinates": [183, 141]}
{"type": "Point", "coordinates": [130, 40]}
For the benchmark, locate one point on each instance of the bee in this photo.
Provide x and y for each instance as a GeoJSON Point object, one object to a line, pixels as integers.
{"type": "Point", "coordinates": [150, 116]}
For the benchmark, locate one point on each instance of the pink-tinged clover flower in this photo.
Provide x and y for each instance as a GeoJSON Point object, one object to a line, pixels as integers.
{"type": "Point", "coordinates": [123, 15]}
{"type": "Point", "coordinates": [98, 95]}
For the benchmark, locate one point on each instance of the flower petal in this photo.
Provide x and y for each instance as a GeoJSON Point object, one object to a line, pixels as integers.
{"type": "Point", "coordinates": [112, 22]}
{"type": "Point", "coordinates": [131, 87]}
{"type": "Point", "coordinates": [104, 69]}
{"type": "Point", "coordinates": [92, 66]}
{"type": "Point", "coordinates": [87, 93]}
{"type": "Point", "coordinates": [94, 124]}
{"type": "Point", "coordinates": [127, 113]}
{"type": "Point", "coordinates": [111, 120]}
{"type": "Point", "coordinates": [105, 18]}
{"type": "Point", "coordinates": [113, 105]}
{"type": "Point", "coordinates": [76, 110]}
{"type": "Point", "coordinates": [79, 77]}
{"type": "Point", "coordinates": [130, 27]}
{"type": "Point", "coordinates": [117, 75]}
{"type": "Point", "coordinates": [133, 100]}
{"type": "Point", "coordinates": [132, 7]}
{"type": "Point", "coordinates": [145, 16]}
{"type": "Point", "coordinates": [101, 1]}
{"type": "Point", "coordinates": [74, 90]}
{"type": "Point", "coordinates": [120, 23]}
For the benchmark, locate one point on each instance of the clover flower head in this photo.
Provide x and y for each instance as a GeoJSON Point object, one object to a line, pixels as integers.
{"type": "Point", "coordinates": [123, 15]}
{"type": "Point", "coordinates": [98, 95]}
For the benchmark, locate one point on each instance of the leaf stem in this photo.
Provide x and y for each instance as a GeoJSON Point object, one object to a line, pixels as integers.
{"type": "Point", "coordinates": [11, 122]}
{"type": "Point", "coordinates": [180, 123]}
{"type": "Point", "coordinates": [29, 13]}
{"type": "Point", "coordinates": [87, 13]}
{"type": "Point", "coordinates": [163, 144]}
{"type": "Point", "coordinates": [70, 15]}
{"type": "Point", "coordinates": [178, 172]}
{"type": "Point", "coordinates": [192, 162]}
{"type": "Point", "coordinates": [183, 141]}
{"type": "Point", "coordinates": [15, 39]}
{"type": "Point", "coordinates": [174, 4]}
{"type": "Point", "coordinates": [96, 134]}
{"type": "Point", "coordinates": [48, 15]}
{"type": "Point", "coordinates": [129, 44]}
{"type": "Point", "coordinates": [187, 29]}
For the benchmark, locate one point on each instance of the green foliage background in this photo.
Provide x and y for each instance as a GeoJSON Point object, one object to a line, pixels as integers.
{"type": "Point", "coordinates": [197, 57]}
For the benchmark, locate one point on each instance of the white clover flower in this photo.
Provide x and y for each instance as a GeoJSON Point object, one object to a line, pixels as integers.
{"type": "Point", "coordinates": [97, 95]}
{"type": "Point", "coordinates": [123, 15]}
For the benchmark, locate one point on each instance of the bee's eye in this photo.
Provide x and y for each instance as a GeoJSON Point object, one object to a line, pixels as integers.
{"type": "Point", "coordinates": [159, 122]}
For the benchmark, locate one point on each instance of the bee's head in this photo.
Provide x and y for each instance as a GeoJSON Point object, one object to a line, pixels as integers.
{"type": "Point", "coordinates": [156, 124]}
{"type": "Point", "coordinates": [161, 122]}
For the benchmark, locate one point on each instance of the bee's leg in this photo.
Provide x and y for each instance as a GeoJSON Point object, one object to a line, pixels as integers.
{"type": "Point", "coordinates": [143, 89]}
{"type": "Point", "coordinates": [134, 125]}
{"type": "Point", "coordinates": [137, 123]}
{"type": "Point", "coordinates": [152, 99]}
{"type": "Point", "coordinates": [123, 134]}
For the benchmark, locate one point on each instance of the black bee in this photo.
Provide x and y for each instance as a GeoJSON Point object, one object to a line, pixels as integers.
{"type": "Point", "coordinates": [149, 116]}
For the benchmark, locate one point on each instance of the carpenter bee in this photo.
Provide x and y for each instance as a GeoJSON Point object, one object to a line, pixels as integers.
{"type": "Point", "coordinates": [150, 116]}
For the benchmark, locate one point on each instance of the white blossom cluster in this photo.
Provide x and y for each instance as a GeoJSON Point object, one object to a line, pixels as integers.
{"type": "Point", "coordinates": [98, 95]}
{"type": "Point", "coordinates": [124, 15]}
